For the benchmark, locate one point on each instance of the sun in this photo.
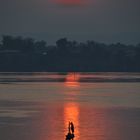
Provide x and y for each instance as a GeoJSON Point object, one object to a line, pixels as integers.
{"type": "Point", "coordinates": [69, 2]}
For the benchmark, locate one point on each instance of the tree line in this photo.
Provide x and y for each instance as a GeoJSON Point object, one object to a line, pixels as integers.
{"type": "Point", "coordinates": [26, 54]}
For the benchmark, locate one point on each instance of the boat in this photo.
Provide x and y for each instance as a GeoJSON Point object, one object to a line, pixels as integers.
{"type": "Point", "coordinates": [69, 136]}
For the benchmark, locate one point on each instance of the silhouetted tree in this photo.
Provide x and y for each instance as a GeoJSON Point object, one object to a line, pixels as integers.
{"type": "Point", "coordinates": [40, 45]}
{"type": "Point", "coordinates": [7, 42]}
{"type": "Point", "coordinates": [26, 54]}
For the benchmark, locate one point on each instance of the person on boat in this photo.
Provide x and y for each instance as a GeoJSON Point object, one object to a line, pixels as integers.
{"type": "Point", "coordinates": [69, 127]}
{"type": "Point", "coordinates": [70, 134]}
{"type": "Point", "coordinates": [72, 128]}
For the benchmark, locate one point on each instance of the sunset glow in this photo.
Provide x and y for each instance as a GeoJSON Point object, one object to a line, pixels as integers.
{"type": "Point", "coordinates": [71, 114]}
{"type": "Point", "coordinates": [69, 2]}
{"type": "Point", "coordinates": [72, 80]}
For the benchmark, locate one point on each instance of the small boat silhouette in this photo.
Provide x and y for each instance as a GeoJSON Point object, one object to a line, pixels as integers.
{"type": "Point", "coordinates": [69, 136]}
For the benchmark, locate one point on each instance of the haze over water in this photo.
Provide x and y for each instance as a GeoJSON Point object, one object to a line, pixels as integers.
{"type": "Point", "coordinates": [38, 106]}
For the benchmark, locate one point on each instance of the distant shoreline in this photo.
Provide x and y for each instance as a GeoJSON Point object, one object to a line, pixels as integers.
{"type": "Point", "coordinates": [18, 54]}
{"type": "Point", "coordinates": [82, 77]}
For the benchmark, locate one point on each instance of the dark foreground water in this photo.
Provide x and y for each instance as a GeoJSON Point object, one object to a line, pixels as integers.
{"type": "Point", "coordinates": [38, 106]}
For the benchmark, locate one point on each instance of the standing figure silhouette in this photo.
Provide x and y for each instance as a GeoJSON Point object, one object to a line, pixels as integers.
{"type": "Point", "coordinates": [72, 127]}
{"type": "Point", "coordinates": [69, 128]}
{"type": "Point", "coordinates": [70, 135]}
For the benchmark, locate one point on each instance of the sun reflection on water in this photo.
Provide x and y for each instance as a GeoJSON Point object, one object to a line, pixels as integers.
{"type": "Point", "coordinates": [71, 114]}
{"type": "Point", "coordinates": [71, 108]}
{"type": "Point", "coordinates": [72, 80]}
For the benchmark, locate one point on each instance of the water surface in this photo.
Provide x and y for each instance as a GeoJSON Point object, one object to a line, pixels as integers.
{"type": "Point", "coordinates": [38, 106]}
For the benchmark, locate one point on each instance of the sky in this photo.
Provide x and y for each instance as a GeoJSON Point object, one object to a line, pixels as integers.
{"type": "Point", "coordinates": [107, 21]}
